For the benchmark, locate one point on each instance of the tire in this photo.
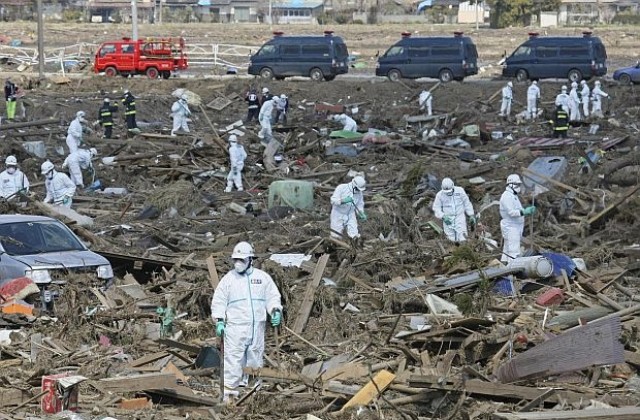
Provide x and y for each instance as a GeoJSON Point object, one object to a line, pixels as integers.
{"type": "Point", "coordinates": [625, 79]}
{"type": "Point", "coordinates": [316, 74]}
{"type": "Point", "coordinates": [445, 76]}
{"type": "Point", "coordinates": [266, 73]}
{"type": "Point", "coordinates": [522, 75]}
{"type": "Point", "coordinates": [329, 78]}
{"type": "Point", "coordinates": [574, 75]}
{"type": "Point", "coordinates": [166, 74]}
{"type": "Point", "coordinates": [152, 73]}
{"type": "Point", "coordinates": [110, 71]}
{"type": "Point", "coordinates": [394, 75]}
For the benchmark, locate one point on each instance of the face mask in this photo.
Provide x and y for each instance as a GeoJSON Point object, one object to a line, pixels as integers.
{"type": "Point", "coordinates": [241, 265]}
{"type": "Point", "coordinates": [11, 170]}
{"type": "Point", "coordinates": [49, 175]}
{"type": "Point", "coordinates": [448, 192]}
{"type": "Point", "coordinates": [516, 188]}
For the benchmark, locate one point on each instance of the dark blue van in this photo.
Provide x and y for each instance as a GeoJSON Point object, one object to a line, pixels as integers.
{"type": "Point", "coordinates": [445, 58]}
{"type": "Point", "coordinates": [573, 58]}
{"type": "Point", "coordinates": [318, 57]}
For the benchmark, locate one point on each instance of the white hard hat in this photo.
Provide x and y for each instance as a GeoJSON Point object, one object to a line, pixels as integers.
{"type": "Point", "coordinates": [283, 96]}
{"type": "Point", "coordinates": [183, 97]}
{"type": "Point", "coordinates": [243, 250]}
{"type": "Point", "coordinates": [535, 82]}
{"type": "Point", "coordinates": [11, 160]}
{"type": "Point", "coordinates": [583, 82]}
{"type": "Point", "coordinates": [597, 82]}
{"type": "Point", "coordinates": [265, 90]}
{"type": "Point", "coordinates": [80, 114]}
{"type": "Point", "coordinates": [514, 179]}
{"type": "Point", "coordinates": [275, 98]}
{"type": "Point", "coordinates": [510, 84]}
{"type": "Point", "coordinates": [564, 87]}
{"type": "Point", "coordinates": [233, 138]}
{"type": "Point", "coordinates": [126, 91]}
{"type": "Point", "coordinates": [93, 151]}
{"type": "Point", "coordinates": [106, 100]}
{"type": "Point", "coordinates": [447, 184]}
{"type": "Point", "coordinates": [574, 84]}
{"type": "Point", "coordinates": [46, 167]}
{"type": "Point", "coordinates": [359, 183]}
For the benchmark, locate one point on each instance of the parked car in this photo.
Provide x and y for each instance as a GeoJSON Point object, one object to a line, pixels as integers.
{"type": "Point", "coordinates": [44, 250]}
{"type": "Point", "coordinates": [628, 75]}
{"type": "Point", "coordinates": [561, 57]}
{"type": "Point", "coordinates": [317, 57]}
{"type": "Point", "coordinates": [445, 58]}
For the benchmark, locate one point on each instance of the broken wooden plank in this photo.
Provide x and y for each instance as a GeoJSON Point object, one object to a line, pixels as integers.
{"type": "Point", "coordinates": [142, 382]}
{"type": "Point", "coordinates": [594, 344]}
{"type": "Point", "coordinates": [375, 387]}
{"type": "Point", "coordinates": [149, 358]}
{"type": "Point", "coordinates": [213, 272]}
{"type": "Point", "coordinates": [309, 296]}
{"type": "Point", "coordinates": [623, 413]}
{"type": "Point", "coordinates": [186, 394]}
{"type": "Point", "coordinates": [30, 124]}
{"type": "Point", "coordinates": [624, 197]}
{"type": "Point", "coordinates": [537, 401]}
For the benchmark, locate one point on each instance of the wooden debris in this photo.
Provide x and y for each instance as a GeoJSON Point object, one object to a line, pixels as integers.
{"type": "Point", "coordinates": [623, 413]}
{"type": "Point", "coordinates": [374, 388]}
{"type": "Point", "coordinates": [309, 296]}
{"type": "Point", "coordinates": [142, 382]}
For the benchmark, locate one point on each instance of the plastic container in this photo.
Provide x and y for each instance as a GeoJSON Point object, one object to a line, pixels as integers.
{"type": "Point", "coordinates": [538, 266]}
{"type": "Point", "coordinates": [551, 297]}
{"type": "Point", "coordinates": [292, 193]}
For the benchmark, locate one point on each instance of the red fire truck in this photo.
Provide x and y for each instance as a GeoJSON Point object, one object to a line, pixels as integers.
{"type": "Point", "coordinates": [154, 57]}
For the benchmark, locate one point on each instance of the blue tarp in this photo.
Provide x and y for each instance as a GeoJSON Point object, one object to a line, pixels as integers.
{"type": "Point", "coordinates": [561, 262]}
{"type": "Point", "coordinates": [424, 4]}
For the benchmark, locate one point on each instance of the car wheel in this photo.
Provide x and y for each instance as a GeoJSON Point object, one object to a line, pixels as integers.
{"type": "Point", "coordinates": [522, 75]}
{"type": "Point", "coordinates": [316, 74]}
{"type": "Point", "coordinates": [574, 75]}
{"type": "Point", "coordinates": [152, 73]}
{"type": "Point", "coordinates": [445, 76]}
{"type": "Point", "coordinates": [625, 79]}
{"type": "Point", "coordinates": [110, 72]}
{"type": "Point", "coordinates": [166, 74]}
{"type": "Point", "coordinates": [266, 73]}
{"type": "Point", "coordinates": [394, 75]}
{"type": "Point", "coordinates": [329, 78]}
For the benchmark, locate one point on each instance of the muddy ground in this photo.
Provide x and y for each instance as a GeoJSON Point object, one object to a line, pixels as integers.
{"type": "Point", "coordinates": [184, 180]}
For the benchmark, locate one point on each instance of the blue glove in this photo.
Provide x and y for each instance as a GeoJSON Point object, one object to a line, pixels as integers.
{"type": "Point", "coordinates": [472, 220]}
{"type": "Point", "coordinates": [347, 200]}
{"type": "Point", "coordinates": [363, 216]}
{"type": "Point", "coordinates": [66, 200]}
{"type": "Point", "coordinates": [276, 318]}
{"type": "Point", "coordinates": [447, 220]}
{"type": "Point", "coordinates": [528, 210]}
{"type": "Point", "coordinates": [219, 328]}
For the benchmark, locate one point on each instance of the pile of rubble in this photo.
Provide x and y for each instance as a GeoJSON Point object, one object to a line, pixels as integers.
{"type": "Point", "coordinates": [400, 325]}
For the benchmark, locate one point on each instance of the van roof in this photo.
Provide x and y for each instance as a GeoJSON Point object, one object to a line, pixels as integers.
{"type": "Point", "coordinates": [563, 40]}
{"type": "Point", "coordinates": [281, 38]}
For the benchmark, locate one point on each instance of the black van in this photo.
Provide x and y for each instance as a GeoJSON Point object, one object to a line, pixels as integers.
{"type": "Point", "coordinates": [317, 57]}
{"type": "Point", "coordinates": [451, 58]}
{"type": "Point", "coordinates": [559, 57]}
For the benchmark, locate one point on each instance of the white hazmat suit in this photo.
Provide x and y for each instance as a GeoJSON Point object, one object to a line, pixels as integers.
{"type": "Point", "coordinates": [507, 98]}
{"type": "Point", "coordinates": [597, 95]}
{"type": "Point", "coordinates": [533, 96]}
{"type": "Point", "coordinates": [180, 113]}
{"type": "Point", "coordinates": [451, 206]}
{"type": "Point", "coordinates": [12, 181]}
{"type": "Point", "coordinates": [237, 155]}
{"type": "Point", "coordinates": [264, 118]}
{"type": "Point", "coordinates": [76, 162]}
{"type": "Point", "coordinates": [60, 189]}
{"type": "Point", "coordinates": [74, 133]}
{"type": "Point", "coordinates": [347, 203]}
{"type": "Point", "coordinates": [349, 124]}
{"type": "Point", "coordinates": [585, 92]}
{"type": "Point", "coordinates": [512, 214]}
{"type": "Point", "coordinates": [562, 99]}
{"type": "Point", "coordinates": [243, 301]}
{"type": "Point", "coordinates": [574, 103]}
{"type": "Point", "coordinates": [425, 101]}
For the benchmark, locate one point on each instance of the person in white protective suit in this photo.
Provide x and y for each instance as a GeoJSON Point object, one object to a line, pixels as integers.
{"type": "Point", "coordinates": [451, 205]}
{"type": "Point", "coordinates": [239, 308]}
{"type": "Point", "coordinates": [76, 162]}
{"type": "Point", "coordinates": [597, 94]}
{"type": "Point", "coordinates": [512, 214]}
{"type": "Point", "coordinates": [562, 99]}
{"type": "Point", "coordinates": [237, 155]}
{"type": "Point", "coordinates": [180, 112]}
{"type": "Point", "coordinates": [585, 94]}
{"type": "Point", "coordinates": [75, 131]}
{"type": "Point", "coordinates": [12, 179]}
{"type": "Point", "coordinates": [347, 205]}
{"type": "Point", "coordinates": [507, 98]}
{"type": "Point", "coordinates": [264, 118]}
{"type": "Point", "coordinates": [574, 103]}
{"type": "Point", "coordinates": [348, 123]}
{"type": "Point", "coordinates": [425, 101]}
{"type": "Point", "coordinates": [60, 189]}
{"type": "Point", "coordinates": [533, 96]}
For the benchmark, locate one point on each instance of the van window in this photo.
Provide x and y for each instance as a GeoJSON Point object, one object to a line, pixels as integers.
{"type": "Point", "coordinates": [599, 51]}
{"type": "Point", "coordinates": [267, 50]}
{"type": "Point", "coordinates": [127, 48]}
{"type": "Point", "coordinates": [470, 51]}
{"type": "Point", "coordinates": [107, 49]}
{"type": "Point", "coordinates": [290, 49]}
{"type": "Point", "coordinates": [444, 50]}
{"type": "Point", "coordinates": [394, 51]}
{"type": "Point", "coordinates": [545, 52]}
{"type": "Point", "coordinates": [341, 50]}
{"type": "Point", "coordinates": [416, 52]}
{"type": "Point", "coordinates": [317, 49]}
{"type": "Point", "coordinates": [522, 51]}
{"type": "Point", "coordinates": [575, 50]}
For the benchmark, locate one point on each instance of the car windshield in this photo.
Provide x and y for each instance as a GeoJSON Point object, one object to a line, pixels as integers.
{"type": "Point", "coordinates": [341, 50]}
{"type": "Point", "coordinates": [26, 238]}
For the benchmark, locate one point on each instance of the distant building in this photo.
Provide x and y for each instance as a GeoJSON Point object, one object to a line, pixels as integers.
{"type": "Point", "coordinates": [584, 12]}
{"type": "Point", "coordinates": [297, 11]}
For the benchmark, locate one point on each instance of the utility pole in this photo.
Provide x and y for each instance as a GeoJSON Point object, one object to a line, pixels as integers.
{"type": "Point", "coordinates": [40, 41]}
{"type": "Point", "coordinates": [160, 13]}
{"type": "Point", "coordinates": [270, 18]}
{"type": "Point", "coordinates": [134, 19]}
{"type": "Point", "coordinates": [477, 17]}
